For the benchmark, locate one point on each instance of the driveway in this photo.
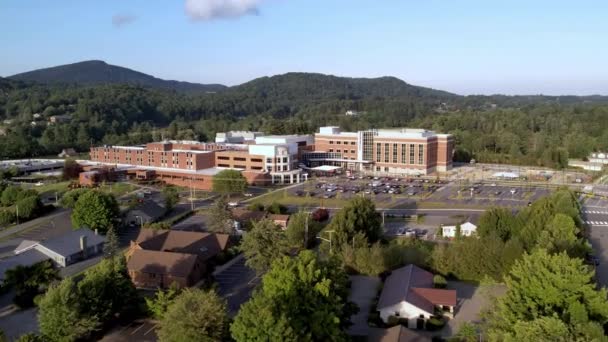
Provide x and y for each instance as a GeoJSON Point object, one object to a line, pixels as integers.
{"type": "Point", "coordinates": [363, 290]}
{"type": "Point", "coordinates": [472, 299]}
{"type": "Point", "coordinates": [18, 323]}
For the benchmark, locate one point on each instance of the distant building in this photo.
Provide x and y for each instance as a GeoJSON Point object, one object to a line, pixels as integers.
{"type": "Point", "coordinates": [55, 119]}
{"type": "Point", "coordinates": [8, 121]}
{"type": "Point", "coordinates": [145, 212]}
{"type": "Point", "coordinates": [466, 229]}
{"type": "Point", "coordinates": [159, 258]}
{"type": "Point", "coordinates": [388, 151]}
{"type": "Point", "coordinates": [408, 293]}
{"type": "Point", "coordinates": [599, 157]}
{"type": "Point", "coordinates": [280, 220]}
{"type": "Point", "coordinates": [67, 152]}
{"type": "Point", "coordinates": [586, 165]}
{"type": "Point", "coordinates": [237, 137]}
{"type": "Point", "coordinates": [352, 113]}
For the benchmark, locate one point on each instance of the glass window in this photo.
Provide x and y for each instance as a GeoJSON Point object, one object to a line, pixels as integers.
{"type": "Point", "coordinates": [412, 148]}
{"type": "Point", "coordinates": [421, 154]}
{"type": "Point", "coordinates": [338, 142]}
{"type": "Point", "coordinates": [394, 153]}
{"type": "Point", "coordinates": [378, 151]}
{"type": "Point", "coordinates": [386, 152]}
{"type": "Point", "coordinates": [403, 156]}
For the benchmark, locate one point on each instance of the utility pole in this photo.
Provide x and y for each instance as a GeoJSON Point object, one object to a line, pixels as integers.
{"type": "Point", "coordinates": [306, 231]}
{"type": "Point", "coordinates": [17, 209]}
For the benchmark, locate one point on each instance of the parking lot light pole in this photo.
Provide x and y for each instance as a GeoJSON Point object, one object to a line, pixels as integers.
{"type": "Point", "coordinates": [324, 239]}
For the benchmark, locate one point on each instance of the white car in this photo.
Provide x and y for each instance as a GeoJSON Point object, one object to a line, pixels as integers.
{"type": "Point", "coordinates": [39, 184]}
{"type": "Point", "coordinates": [233, 204]}
{"type": "Point", "coordinates": [248, 194]}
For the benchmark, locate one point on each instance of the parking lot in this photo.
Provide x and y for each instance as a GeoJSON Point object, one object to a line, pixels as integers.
{"type": "Point", "coordinates": [141, 331]}
{"type": "Point", "coordinates": [491, 194]}
{"type": "Point", "coordinates": [235, 284]}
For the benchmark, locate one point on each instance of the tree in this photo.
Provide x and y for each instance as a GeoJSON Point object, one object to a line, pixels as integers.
{"type": "Point", "coordinates": [95, 210]}
{"type": "Point", "coordinates": [220, 217]}
{"type": "Point", "coordinates": [71, 170]}
{"type": "Point", "coordinates": [29, 207]}
{"type": "Point", "coordinates": [30, 281]}
{"type": "Point", "coordinates": [302, 230]}
{"type": "Point", "coordinates": [99, 288]}
{"type": "Point", "coordinates": [171, 197]}
{"type": "Point", "coordinates": [467, 333]}
{"type": "Point", "coordinates": [159, 304]}
{"type": "Point", "coordinates": [263, 244]}
{"type": "Point", "coordinates": [69, 199]}
{"type": "Point", "coordinates": [542, 286]}
{"type": "Point", "coordinates": [276, 208]}
{"type": "Point", "coordinates": [439, 281]}
{"type": "Point", "coordinates": [229, 182]}
{"type": "Point", "coordinates": [10, 195]}
{"type": "Point", "coordinates": [499, 222]}
{"type": "Point", "coordinates": [561, 235]}
{"type": "Point", "coordinates": [358, 216]}
{"type": "Point", "coordinates": [6, 217]}
{"type": "Point", "coordinates": [320, 214]}
{"type": "Point", "coordinates": [59, 314]}
{"type": "Point", "coordinates": [29, 337]}
{"type": "Point", "coordinates": [458, 232]}
{"type": "Point", "coordinates": [301, 299]}
{"type": "Point", "coordinates": [195, 315]}
{"type": "Point", "coordinates": [111, 246]}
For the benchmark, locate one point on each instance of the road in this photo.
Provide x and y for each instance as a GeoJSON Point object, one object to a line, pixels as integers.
{"type": "Point", "coordinates": [595, 215]}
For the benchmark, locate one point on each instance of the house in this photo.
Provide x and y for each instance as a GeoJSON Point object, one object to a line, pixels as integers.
{"type": "Point", "coordinates": [67, 152]}
{"type": "Point", "coordinates": [145, 212]}
{"type": "Point", "coordinates": [243, 218]}
{"type": "Point", "coordinates": [59, 119]}
{"type": "Point", "coordinates": [466, 229]}
{"type": "Point", "coordinates": [408, 293]}
{"type": "Point", "coordinates": [66, 249]}
{"type": "Point", "coordinates": [280, 220]}
{"type": "Point", "coordinates": [158, 258]}
{"type": "Point", "coordinates": [398, 333]}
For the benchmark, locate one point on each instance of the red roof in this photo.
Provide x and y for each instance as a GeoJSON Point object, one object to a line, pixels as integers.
{"type": "Point", "coordinates": [437, 296]}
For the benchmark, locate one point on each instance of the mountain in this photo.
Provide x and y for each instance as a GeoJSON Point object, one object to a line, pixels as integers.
{"type": "Point", "coordinates": [99, 72]}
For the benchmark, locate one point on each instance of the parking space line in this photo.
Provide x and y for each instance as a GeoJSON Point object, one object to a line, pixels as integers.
{"type": "Point", "coordinates": [137, 329]}
{"type": "Point", "coordinates": [151, 329]}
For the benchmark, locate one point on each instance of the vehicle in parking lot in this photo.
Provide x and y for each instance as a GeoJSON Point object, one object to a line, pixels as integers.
{"type": "Point", "coordinates": [328, 195]}
{"type": "Point", "coordinates": [233, 204]}
{"type": "Point", "coordinates": [248, 194]}
{"type": "Point", "coordinates": [299, 193]}
{"type": "Point", "coordinates": [401, 231]}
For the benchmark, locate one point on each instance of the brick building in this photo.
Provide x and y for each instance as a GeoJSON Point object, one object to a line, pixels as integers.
{"type": "Point", "coordinates": [390, 151]}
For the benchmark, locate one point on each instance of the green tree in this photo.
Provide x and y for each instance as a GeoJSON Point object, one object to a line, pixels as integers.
{"type": "Point", "coordinates": [302, 230]}
{"type": "Point", "coordinates": [358, 216]}
{"type": "Point", "coordinates": [276, 208]}
{"type": "Point", "coordinates": [542, 286]}
{"type": "Point", "coordinates": [220, 217]}
{"type": "Point", "coordinates": [71, 170]}
{"type": "Point", "coordinates": [30, 281]}
{"type": "Point", "coordinates": [499, 222]}
{"type": "Point", "coordinates": [263, 244]}
{"type": "Point", "coordinates": [439, 281]}
{"type": "Point", "coordinates": [6, 217]}
{"type": "Point", "coordinates": [458, 232]}
{"type": "Point", "coordinates": [229, 182]}
{"type": "Point", "coordinates": [158, 304]}
{"type": "Point", "coordinates": [10, 195]}
{"type": "Point", "coordinates": [301, 299]}
{"type": "Point", "coordinates": [467, 333]}
{"type": "Point", "coordinates": [69, 199]}
{"type": "Point", "coordinates": [59, 314]}
{"type": "Point", "coordinates": [195, 315]}
{"type": "Point", "coordinates": [111, 246]}
{"type": "Point", "coordinates": [95, 210]}
{"type": "Point", "coordinates": [560, 235]}
{"type": "Point", "coordinates": [29, 207]}
{"type": "Point", "coordinates": [29, 337]}
{"type": "Point", "coordinates": [171, 197]}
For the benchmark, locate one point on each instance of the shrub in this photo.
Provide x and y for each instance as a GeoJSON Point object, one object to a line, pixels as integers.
{"type": "Point", "coordinates": [392, 321]}
{"type": "Point", "coordinates": [320, 215]}
{"type": "Point", "coordinates": [6, 217]}
{"type": "Point", "coordinates": [434, 323]}
{"type": "Point", "coordinates": [440, 282]}
{"type": "Point", "coordinates": [256, 207]}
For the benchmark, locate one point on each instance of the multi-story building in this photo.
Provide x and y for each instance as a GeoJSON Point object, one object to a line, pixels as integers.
{"type": "Point", "coordinates": [390, 151]}
{"type": "Point", "coordinates": [266, 160]}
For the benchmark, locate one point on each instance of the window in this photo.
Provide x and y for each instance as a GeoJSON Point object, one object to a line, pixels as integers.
{"type": "Point", "coordinates": [412, 147]}
{"type": "Point", "coordinates": [338, 142]}
{"type": "Point", "coordinates": [223, 158]}
{"type": "Point", "coordinates": [386, 169]}
{"type": "Point", "coordinates": [352, 142]}
{"type": "Point", "coordinates": [269, 160]}
{"type": "Point", "coordinates": [331, 150]}
{"type": "Point", "coordinates": [394, 153]}
{"type": "Point", "coordinates": [378, 152]}
{"type": "Point", "coordinates": [256, 160]}
{"type": "Point", "coordinates": [223, 165]}
{"type": "Point", "coordinates": [239, 159]}
{"type": "Point", "coordinates": [240, 166]}
{"type": "Point", "coordinates": [346, 143]}
{"type": "Point", "coordinates": [403, 156]}
{"type": "Point", "coordinates": [284, 159]}
{"type": "Point", "coordinates": [331, 142]}
{"type": "Point", "coordinates": [420, 154]}
{"type": "Point", "coordinates": [338, 151]}
{"type": "Point", "coordinates": [256, 167]}
{"type": "Point", "coordinates": [352, 151]}
{"type": "Point", "coordinates": [386, 153]}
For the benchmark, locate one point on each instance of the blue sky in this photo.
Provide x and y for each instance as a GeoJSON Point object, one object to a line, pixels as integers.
{"type": "Point", "coordinates": [466, 47]}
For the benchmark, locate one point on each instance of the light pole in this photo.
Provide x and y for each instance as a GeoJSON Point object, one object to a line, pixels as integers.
{"type": "Point", "coordinates": [324, 239]}
{"type": "Point", "coordinates": [141, 221]}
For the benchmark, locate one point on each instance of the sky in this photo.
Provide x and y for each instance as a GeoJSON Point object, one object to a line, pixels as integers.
{"type": "Point", "coordinates": [463, 46]}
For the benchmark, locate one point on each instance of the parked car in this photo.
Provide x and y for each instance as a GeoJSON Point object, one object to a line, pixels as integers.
{"type": "Point", "coordinates": [248, 194]}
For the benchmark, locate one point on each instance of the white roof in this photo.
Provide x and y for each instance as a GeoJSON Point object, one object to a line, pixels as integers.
{"type": "Point", "coordinates": [506, 175]}
{"type": "Point", "coordinates": [466, 226]}
{"type": "Point", "coordinates": [326, 168]}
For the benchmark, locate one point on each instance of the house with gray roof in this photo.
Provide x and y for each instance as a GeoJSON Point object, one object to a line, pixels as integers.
{"type": "Point", "coordinates": [409, 293]}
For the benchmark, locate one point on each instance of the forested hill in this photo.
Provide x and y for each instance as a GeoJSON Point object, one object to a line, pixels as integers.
{"type": "Point", "coordinates": [99, 72]}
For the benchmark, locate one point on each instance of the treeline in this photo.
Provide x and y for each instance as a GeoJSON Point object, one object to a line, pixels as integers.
{"type": "Point", "coordinates": [535, 130]}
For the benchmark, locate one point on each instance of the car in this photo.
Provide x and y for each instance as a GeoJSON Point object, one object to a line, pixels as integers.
{"type": "Point", "coordinates": [367, 191]}
{"type": "Point", "coordinates": [299, 193]}
{"type": "Point", "coordinates": [411, 193]}
{"type": "Point", "coordinates": [248, 194]}
{"type": "Point", "coordinates": [396, 191]}
{"type": "Point", "coordinates": [497, 193]}
{"type": "Point", "coordinates": [330, 195]}
{"type": "Point", "coordinates": [400, 231]}
{"type": "Point", "coordinates": [147, 191]}
{"type": "Point", "coordinates": [493, 184]}
{"type": "Point", "coordinates": [312, 193]}
{"type": "Point", "coordinates": [233, 204]}
{"type": "Point", "coordinates": [39, 184]}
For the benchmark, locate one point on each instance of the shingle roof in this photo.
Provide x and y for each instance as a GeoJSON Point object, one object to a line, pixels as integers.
{"type": "Point", "coordinates": [27, 258]}
{"type": "Point", "coordinates": [69, 243]}
{"type": "Point", "coordinates": [243, 215]}
{"type": "Point", "coordinates": [156, 262]}
{"type": "Point", "coordinates": [278, 217]}
{"type": "Point", "coordinates": [149, 210]}
{"type": "Point", "coordinates": [414, 285]}
{"type": "Point", "coordinates": [205, 245]}
{"type": "Point", "coordinates": [397, 333]}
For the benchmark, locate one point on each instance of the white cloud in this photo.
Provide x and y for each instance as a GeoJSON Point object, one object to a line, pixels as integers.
{"type": "Point", "coordinates": [120, 20]}
{"type": "Point", "coordinates": [218, 9]}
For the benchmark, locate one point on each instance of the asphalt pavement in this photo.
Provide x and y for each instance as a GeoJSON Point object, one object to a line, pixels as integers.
{"type": "Point", "coordinates": [595, 216]}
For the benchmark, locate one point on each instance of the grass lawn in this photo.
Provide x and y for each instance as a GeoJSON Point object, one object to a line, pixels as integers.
{"type": "Point", "coordinates": [117, 189]}
{"type": "Point", "coordinates": [52, 188]}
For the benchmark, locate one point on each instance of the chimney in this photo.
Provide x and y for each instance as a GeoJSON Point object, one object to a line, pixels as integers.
{"type": "Point", "coordinates": [83, 245]}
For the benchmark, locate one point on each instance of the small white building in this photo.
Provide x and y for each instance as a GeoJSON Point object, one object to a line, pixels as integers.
{"type": "Point", "coordinates": [408, 293]}
{"type": "Point", "coordinates": [599, 157]}
{"type": "Point", "coordinates": [466, 229]}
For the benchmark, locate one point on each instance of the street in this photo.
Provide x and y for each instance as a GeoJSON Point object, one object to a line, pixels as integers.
{"type": "Point", "coordinates": [595, 216]}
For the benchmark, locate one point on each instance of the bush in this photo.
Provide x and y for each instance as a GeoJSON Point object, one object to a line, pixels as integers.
{"type": "Point", "coordinates": [320, 215]}
{"type": "Point", "coordinates": [276, 208]}
{"type": "Point", "coordinates": [6, 217]}
{"type": "Point", "coordinates": [256, 207]}
{"type": "Point", "coordinates": [10, 195]}
{"type": "Point", "coordinates": [374, 319]}
{"type": "Point", "coordinates": [434, 323]}
{"type": "Point", "coordinates": [29, 207]}
{"type": "Point", "coordinates": [392, 321]}
{"type": "Point", "coordinates": [440, 282]}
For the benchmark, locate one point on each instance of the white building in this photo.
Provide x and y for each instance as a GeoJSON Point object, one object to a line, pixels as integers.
{"type": "Point", "coordinates": [466, 229]}
{"type": "Point", "coordinates": [408, 293]}
{"type": "Point", "coordinates": [599, 157]}
{"type": "Point", "coordinates": [236, 137]}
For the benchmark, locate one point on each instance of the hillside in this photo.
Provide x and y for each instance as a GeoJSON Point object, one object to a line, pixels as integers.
{"type": "Point", "coordinates": [99, 72]}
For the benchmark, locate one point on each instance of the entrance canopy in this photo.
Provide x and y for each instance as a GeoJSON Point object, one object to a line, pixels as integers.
{"type": "Point", "coordinates": [326, 168]}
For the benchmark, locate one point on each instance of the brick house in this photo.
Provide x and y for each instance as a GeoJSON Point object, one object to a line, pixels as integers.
{"type": "Point", "coordinates": [158, 258]}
